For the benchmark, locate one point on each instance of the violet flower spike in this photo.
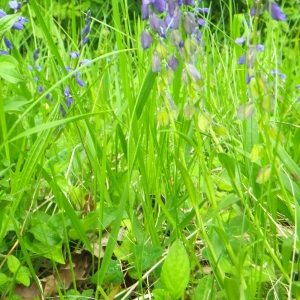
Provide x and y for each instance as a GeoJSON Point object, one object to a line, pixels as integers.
{"type": "Point", "coordinates": [79, 81]}
{"type": "Point", "coordinates": [275, 11]}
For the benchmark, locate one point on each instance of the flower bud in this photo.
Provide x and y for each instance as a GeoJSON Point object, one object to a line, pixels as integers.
{"type": "Point", "coordinates": [173, 63]}
{"type": "Point", "coordinates": [204, 121]}
{"type": "Point", "coordinates": [163, 118]}
{"type": "Point", "coordinates": [167, 76]}
{"type": "Point", "coordinates": [189, 23]}
{"type": "Point", "coordinates": [171, 7]}
{"type": "Point", "coordinates": [188, 111]}
{"type": "Point", "coordinates": [176, 37]}
{"type": "Point", "coordinates": [264, 174]}
{"type": "Point", "coordinates": [190, 46]}
{"type": "Point", "coordinates": [155, 62]}
{"type": "Point", "coordinates": [159, 5]}
{"type": "Point", "coordinates": [268, 104]}
{"type": "Point", "coordinates": [192, 71]}
{"type": "Point", "coordinates": [146, 40]}
{"type": "Point", "coordinates": [257, 152]}
{"type": "Point", "coordinates": [161, 50]}
{"type": "Point", "coordinates": [157, 24]}
{"type": "Point", "coordinates": [245, 111]}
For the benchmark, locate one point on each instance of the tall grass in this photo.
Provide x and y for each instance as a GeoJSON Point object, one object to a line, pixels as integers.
{"type": "Point", "coordinates": [227, 188]}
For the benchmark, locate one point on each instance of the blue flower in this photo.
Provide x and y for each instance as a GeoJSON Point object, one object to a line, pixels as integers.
{"type": "Point", "coordinates": [159, 5]}
{"type": "Point", "coordinates": [36, 54]}
{"type": "Point", "coordinates": [79, 81]}
{"type": "Point", "coordinates": [240, 41]}
{"type": "Point", "coordinates": [85, 62]}
{"type": "Point", "coordinates": [8, 43]}
{"type": "Point", "coordinates": [201, 22]}
{"type": "Point", "coordinates": [276, 13]}
{"type": "Point", "coordinates": [3, 52]}
{"type": "Point", "coordinates": [260, 48]}
{"type": "Point", "coordinates": [2, 13]}
{"type": "Point", "coordinates": [74, 54]}
{"type": "Point", "coordinates": [67, 91]}
{"type": "Point", "coordinates": [146, 40]}
{"type": "Point", "coordinates": [40, 89]}
{"type": "Point", "coordinates": [14, 5]}
{"type": "Point", "coordinates": [157, 24]}
{"type": "Point", "coordinates": [19, 25]}
{"type": "Point", "coordinates": [241, 60]}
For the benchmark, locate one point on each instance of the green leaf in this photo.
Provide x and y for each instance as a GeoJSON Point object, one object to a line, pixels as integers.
{"type": "Point", "coordinates": [146, 256]}
{"type": "Point", "coordinates": [3, 279]}
{"type": "Point", "coordinates": [46, 235]}
{"type": "Point", "coordinates": [23, 276]}
{"type": "Point", "coordinates": [232, 288]}
{"type": "Point", "coordinates": [8, 69]}
{"type": "Point", "coordinates": [175, 270]}
{"type": "Point", "coordinates": [113, 274]}
{"type": "Point", "coordinates": [13, 263]}
{"type": "Point", "coordinates": [160, 294]}
{"type": "Point", "coordinates": [14, 104]}
{"type": "Point", "coordinates": [145, 92]}
{"type": "Point", "coordinates": [205, 289]}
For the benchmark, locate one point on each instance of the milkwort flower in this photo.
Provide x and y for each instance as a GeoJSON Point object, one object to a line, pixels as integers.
{"type": "Point", "coordinates": [15, 5]}
{"type": "Point", "coordinates": [274, 9]}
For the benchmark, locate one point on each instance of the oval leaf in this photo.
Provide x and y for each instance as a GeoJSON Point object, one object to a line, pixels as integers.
{"type": "Point", "coordinates": [175, 270]}
{"type": "Point", "coordinates": [13, 263]}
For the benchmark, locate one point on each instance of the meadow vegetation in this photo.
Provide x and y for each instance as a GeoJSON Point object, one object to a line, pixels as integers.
{"type": "Point", "coordinates": [149, 151]}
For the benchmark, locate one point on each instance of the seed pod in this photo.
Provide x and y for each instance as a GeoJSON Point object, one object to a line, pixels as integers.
{"type": "Point", "coordinates": [155, 62]}
{"type": "Point", "coordinates": [264, 174]}
{"type": "Point", "coordinates": [189, 23]}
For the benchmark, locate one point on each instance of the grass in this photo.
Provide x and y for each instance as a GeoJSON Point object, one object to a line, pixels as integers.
{"type": "Point", "coordinates": [174, 191]}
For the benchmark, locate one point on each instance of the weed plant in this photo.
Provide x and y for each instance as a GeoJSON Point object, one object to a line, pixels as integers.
{"type": "Point", "coordinates": [151, 156]}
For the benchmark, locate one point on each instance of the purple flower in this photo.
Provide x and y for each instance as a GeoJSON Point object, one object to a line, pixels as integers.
{"type": "Point", "coordinates": [171, 7]}
{"type": "Point", "coordinates": [155, 62]}
{"type": "Point", "coordinates": [189, 23]}
{"type": "Point", "coordinates": [260, 48]}
{"type": "Point", "coordinates": [69, 101]}
{"type": "Point", "coordinates": [19, 25]}
{"type": "Point", "coordinates": [174, 21]}
{"type": "Point", "coordinates": [159, 5]}
{"type": "Point", "coordinates": [157, 24]}
{"type": "Point", "coordinates": [282, 76]}
{"type": "Point", "coordinates": [74, 54]}
{"type": "Point", "coordinates": [189, 2]}
{"type": "Point", "coordinates": [146, 40]}
{"type": "Point", "coordinates": [173, 63]}
{"type": "Point", "coordinates": [8, 43]}
{"type": "Point", "coordinates": [253, 10]}
{"type": "Point", "coordinates": [176, 38]}
{"type": "Point", "coordinates": [145, 11]}
{"type": "Point", "coordinates": [276, 13]}
{"type": "Point", "coordinates": [2, 13]}
{"type": "Point", "coordinates": [79, 81]}
{"type": "Point", "coordinates": [35, 78]}
{"type": "Point", "coordinates": [3, 52]}
{"type": "Point", "coordinates": [85, 31]}
{"type": "Point", "coordinates": [36, 54]}
{"type": "Point", "coordinates": [67, 91]}
{"type": "Point", "coordinates": [30, 68]}
{"type": "Point", "coordinates": [201, 22]}
{"type": "Point", "coordinates": [85, 62]}
{"type": "Point", "coordinates": [14, 5]}
{"type": "Point", "coordinates": [298, 86]}
{"type": "Point", "coordinates": [203, 10]}
{"type": "Point", "coordinates": [39, 68]}
{"type": "Point", "coordinates": [241, 60]}
{"type": "Point", "coordinates": [40, 89]}
{"type": "Point", "coordinates": [240, 41]}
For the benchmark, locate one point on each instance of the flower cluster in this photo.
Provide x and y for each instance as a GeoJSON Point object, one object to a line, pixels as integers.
{"type": "Point", "coordinates": [257, 80]}
{"type": "Point", "coordinates": [173, 30]}
{"type": "Point", "coordinates": [18, 25]}
{"type": "Point", "coordinates": [75, 55]}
